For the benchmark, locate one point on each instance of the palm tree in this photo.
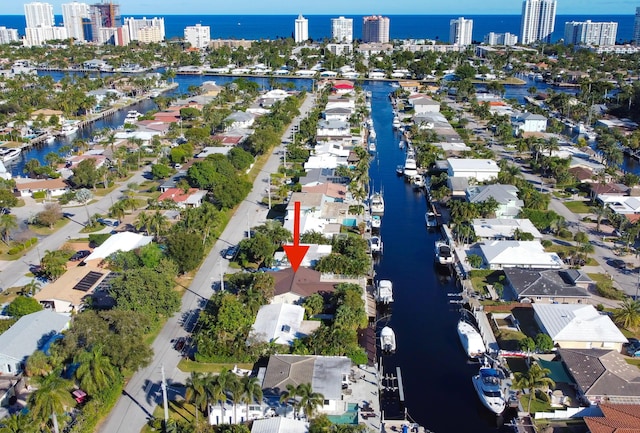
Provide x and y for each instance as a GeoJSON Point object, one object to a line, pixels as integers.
{"type": "Point", "coordinates": [158, 223]}
{"type": "Point", "coordinates": [535, 378]}
{"type": "Point", "coordinates": [236, 389]}
{"type": "Point", "coordinates": [51, 398]}
{"type": "Point", "coordinates": [600, 211]}
{"type": "Point", "coordinates": [95, 371]}
{"type": "Point", "coordinates": [197, 392]}
{"type": "Point", "coordinates": [7, 223]}
{"type": "Point", "coordinates": [17, 423]}
{"type": "Point", "coordinates": [289, 395]}
{"type": "Point", "coordinates": [628, 315]}
{"type": "Point", "coordinates": [309, 400]}
{"type": "Point", "coordinates": [252, 390]}
{"type": "Point", "coordinates": [143, 222]}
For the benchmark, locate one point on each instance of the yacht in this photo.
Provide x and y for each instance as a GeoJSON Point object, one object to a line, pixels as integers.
{"type": "Point", "coordinates": [410, 166]}
{"type": "Point", "coordinates": [443, 253]}
{"type": "Point", "coordinates": [384, 292]}
{"type": "Point", "coordinates": [471, 339]}
{"type": "Point", "coordinates": [376, 221]}
{"type": "Point", "coordinates": [488, 385]}
{"type": "Point", "coordinates": [401, 144]}
{"type": "Point", "coordinates": [431, 219]}
{"type": "Point", "coordinates": [132, 116]}
{"type": "Point", "coordinates": [396, 122]}
{"type": "Point", "coordinates": [372, 147]}
{"type": "Point", "coordinates": [69, 128]}
{"type": "Point", "coordinates": [418, 181]}
{"type": "Point", "coordinates": [377, 203]}
{"type": "Point", "coordinates": [9, 153]}
{"type": "Point", "coordinates": [387, 340]}
{"type": "Point", "coordinates": [375, 244]}
{"type": "Point", "coordinates": [400, 170]}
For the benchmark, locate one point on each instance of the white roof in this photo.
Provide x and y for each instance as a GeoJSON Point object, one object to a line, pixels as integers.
{"type": "Point", "coordinates": [519, 253]}
{"type": "Point", "coordinates": [577, 322]}
{"type": "Point", "coordinates": [277, 322]}
{"type": "Point", "coordinates": [26, 335]}
{"type": "Point", "coordinates": [496, 227]}
{"type": "Point", "coordinates": [123, 241]}
{"type": "Point", "coordinates": [214, 150]}
{"type": "Point", "coordinates": [279, 424]}
{"type": "Point", "coordinates": [462, 164]}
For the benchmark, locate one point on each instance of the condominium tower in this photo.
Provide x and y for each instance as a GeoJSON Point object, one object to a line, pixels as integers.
{"type": "Point", "coordinates": [460, 31]}
{"type": "Point", "coordinates": [301, 31]}
{"type": "Point", "coordinates": [8, 35]}
{"type": "Point", "coordinates": [39, 14]}
{"type": "Point", "coordinates": [590, 33]}
{"type": "Point", "coordinates": [145, 30]}
{"type": "Point", "coordinates": [492, 38]}
{"type": "Point", "coordinates": [106, 23]}
{"type": "Point", "coordinates": [375, 28]}
{"type": "Point", "coordinates": [636, 27]}
{"type": "Point", "coordinates": [538, 21]}
{"type": "Point", "coordinates": [342, 29]}
{"type": "Point", "coordinates": [198, 36]}
{"type": "Point", "coordinates": [74, 16]}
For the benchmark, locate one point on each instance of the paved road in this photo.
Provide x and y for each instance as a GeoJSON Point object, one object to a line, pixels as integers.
{"type": "Point", "coordinates": [143, 392]}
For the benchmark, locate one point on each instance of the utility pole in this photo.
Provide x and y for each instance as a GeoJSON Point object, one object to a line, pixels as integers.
{"type": "Point", "coordinates": [221, 277]}
{"type": "Point", "coordinates": [248, 226]}
{"type": "Point", "coordinates": [165, 403]}
{"type": "Point", "coordinates": [269, 191]}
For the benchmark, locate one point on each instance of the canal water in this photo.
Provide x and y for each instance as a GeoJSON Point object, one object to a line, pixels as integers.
{"type": "Point", "coordinates": [436, 374]}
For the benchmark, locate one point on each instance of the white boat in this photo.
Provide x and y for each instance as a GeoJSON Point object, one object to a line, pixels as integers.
{"type": "Point", "coordinates": [50, 139]}
{"type": "Point", "coordinates": [9, 153]}
{"type": "Point", "coordinates": [443, 253]}
{"type": "Point", "coordinates": [396, 123]}
{"type": "Point", "coordinates": [372, 134]}
{"type": "Point", "coordinates": [372, 147]}
{"type": "Point", "coordinates": [400, 170]}
{"type": "Point", "coordinates": [418, 181]}
{"type": "Point", "coordinates": [69, 128]}
{"type": "Point", "coordinates": [430, 219]}
{"type": "Point", "coordinates": [395, 85]}
{"type": "Point", "coordinates": [377, 203]}
{"type": "Point", "coordinates": [488, 385]}
{"type": "Point", "coordinates": [471, 339]}
{"type": "Point", "coordinates": [410, 165]}
{"type": "Point", "coordinates": [376, 221]}
{"type": "Point", "coordinates": [401, 144]}
{"type": "Point", "coordinates": [387, 340]}
{"type": "Point", "coordinates": [132, 116]}
{"type": "Point", "coordinates": [375, 244]}
{"type": "Point", "coordinates": [384, 292]}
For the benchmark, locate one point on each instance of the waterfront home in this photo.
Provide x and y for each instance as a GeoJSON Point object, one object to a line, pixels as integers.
{"type": "Point", "coordinates": [26, 187]}
{"type": "Point", "coordinates": [280, 324]}
{"type": "Point", "coordinates": [509, 205]}
{"type": "Point", "coordinates": [30, 333]}
{"type": "Point", "coordinates": [335, 191]}
{"type": "Point", "coordinates": [522, 254]}
{"type": "Point", "coordinates": [239, 120]}
{"type": "Point", "coordinates": [614, 418]}
{"type": "Point", "coordinates": [574, 326]}
{"type": "Point", "coordinates": [528, 122]}
{"type": "Point", "coordinates": [479, 169]}
{"type": "Point", "coordinates": [314, 253]}
{"type": "Point", "coordinates": [601, 376]}
{"type": "Point", "coordinates": [154, 127]}
{"type": "Point", "coordinates": [321, 175]}
{"type": "Point", "coordinates": [495, 229]}
{"type": "Point", "coordinates": [547, 286]}
{"type": "Point", "coordinates": [582, 174]}
{"type": "Point", "coordinates": [333, 130]}
{"type": "Point", "coordinates": [410, 86]}
{"type": "Point", "coordinates": [340, 114]}
{"type": "Point", "coordinates": [343, 101]}
{"type": "Point", "coordinates": [192, 198]}
{"type": "Point", "coordinates": [342, 87]}
{"type": "Point", "coordinates": [621, 205]}
{"type": "Point", "coordinates": [294, 287]}
{"type": "Point", "coordinates": [423, 104]}
{"type": "Point", "coordinates": [337, 148]}
{"type": "Point", "coordinates": [280, 424]}
{"type": "Point", "coordinates": [600, 191]}
{"type": "Point", "coordinates": [70, 292]}
{"type": "Point", "coordinates": [324, 160]}
{"type": "Point", "coordinates": [46, 114]}
{"type": "Point", "coordinates": [326, 374]}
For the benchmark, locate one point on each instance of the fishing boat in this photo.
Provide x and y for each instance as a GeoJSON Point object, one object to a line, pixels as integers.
{"type": "Point", "coordinates": [9, 153]}
{"type": "Point", "coordinates": [377, 203]}
{"type": "Point", "coordinates": [400, 170]}
{"type": "Point", "coordinates": [376, 221]}
{"type": "Point", "coordinates": [384, 292]}
{"type": "Point", "coordinates": [372, 147]}
{"type": "Point", "coordinates": [396, 122]}
{"type": "Point", "coordinates": [375, 245]}
{"type": "Point", "coordinates": [68, 128]}
{"type": "Point", "coordinates": [443, 253]}
{"type": "Point", "coordinates": [418, 181]}
{"type": "Point", "coordinates": [410, 165]}
{"type": "Point", "coordinates": [50, 139]}
{"type": "Point", "coordinates": [401, 144]}
{"type": "Point", "coordinates": [387, 340]}
{"type": "Point", "coordinates": [431, 219]}
{"type": "Point", "coordinates": [488, 385]}
{"type": "Point", "coordinates": [132, 116]}
{"type": "Point", "coordinates": [471, 339]}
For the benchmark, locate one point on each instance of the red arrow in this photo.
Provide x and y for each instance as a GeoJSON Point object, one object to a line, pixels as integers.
{"type": "Point", "coordinates": [296, 252]}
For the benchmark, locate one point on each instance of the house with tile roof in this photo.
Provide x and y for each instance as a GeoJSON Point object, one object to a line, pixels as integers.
{"type": "Point", "coordinates": [509, 205]}
{"type": "Point", "coordinates": [602, 376]}
{"type": "Point", "coordinates": [184, 199]}
{"type": "Point", "coordinates": [52, 187]}
{"type": "Point", "coordinates": [574, 326]}
{"type": "Point", "coordinates": [547, 286]}
{"type": "Point", "coordinates": [616, 418]}
{"type": "Point", "coordinates": [293, 287]}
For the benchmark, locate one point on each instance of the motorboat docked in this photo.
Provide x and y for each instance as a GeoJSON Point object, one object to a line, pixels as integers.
{"type": "Point", "coordinates": [376, 221]}
{"type": "Point", "coordinates": [443, 253]}
{"type": "Point", "coordinates": [69, 127]}
{"type": "Point", "coordinates": [372, 147]}
{"type": "Point", "coordinates": [377, 203]}
{"type": "Point", "coordinates": [410, 165]}
{"type": "Point", "coordinates": [384, 292]}
{"type": "Point", "coordinates": [132, 116]}
{"type": "Point", "coordinates": [400, 169]}
{"type": "Point", "coordinates": [471, 339]}
{"type": "Point", "coordinates": [396, 123]}
{"type": "Point", "coordinates": [50, 139]}
{"type": "Point", "coordinates": [9, 153]}
{"type": "Point", "coordinates": [375, 244]}
{"type": "Point", "coordinates": [387, 340]}
{"type": "Point", "coordinates": [488, 385]}
{"type": "Point", "coordinates": [402, 144]}
{"type": "Point", "coordinates": [418, 181]}
{"type": "Point", "coordinates": [431, 219]}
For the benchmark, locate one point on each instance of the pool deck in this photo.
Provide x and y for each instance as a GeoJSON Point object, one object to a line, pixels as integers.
{"type": "Point", "coordinates": [363, 391]}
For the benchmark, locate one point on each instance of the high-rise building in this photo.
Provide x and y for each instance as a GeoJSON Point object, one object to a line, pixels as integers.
{"type": "Point", "coordinates": [301, 32]}
{"type": "Point", "coordinates": [198, 36]}
{"type": "Point", "coordinates": [104, 15]}
{"type": "Point", "coordinates": [375, 28]}
{"type": "Point", "coordinates": [590, 33]}
{"type": "Point", "coordinates": [145, 30]}
{"type": "Point", "coordinates": [8, 35]}
{"type": "Point", "coordinates": [72, 16]}
{"type": "Point", "coordinates": [342, 29]}
{"type": "Point", "coordinates": [36, 36]}
{"type": "Point", "coordinates": [39, 14]}
{"type": "Point", "coordinates": [538, 21]}
{"type": "Point", "coordinates": [636, 27]}
{"type": "Point", "coordinates": [460, 31]}
{"type": "Point", "coordinates": [500, 39]}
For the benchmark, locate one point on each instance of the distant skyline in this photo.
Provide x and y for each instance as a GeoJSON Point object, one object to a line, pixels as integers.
{"type": "Point", "coordinates": [340, 7]}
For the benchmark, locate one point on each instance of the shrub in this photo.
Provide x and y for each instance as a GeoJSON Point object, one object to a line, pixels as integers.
{"type": "Point", "coordinates": [98, 239]}
{"type": "Point", "coordinates": [565, 234]}
{"type": "Point", "coordinates": [606, 290]}
{"type": "Point", "coordinates": [39, 195]}
{"type": "Point", "coordinates": [546, 243]}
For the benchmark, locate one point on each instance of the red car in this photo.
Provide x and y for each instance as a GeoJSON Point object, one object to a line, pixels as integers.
{"type": "Point", "coordinates": [79, 396]}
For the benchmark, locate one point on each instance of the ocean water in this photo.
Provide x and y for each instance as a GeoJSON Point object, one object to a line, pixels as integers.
{"type": "Point", "coordinates": [401, 26]}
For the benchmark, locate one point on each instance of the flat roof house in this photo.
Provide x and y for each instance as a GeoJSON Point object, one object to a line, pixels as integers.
{"type": "Point", "coordinates": [499, 229]}
{"type": "Point", "coordinates": [523, 254]}
{"type": "Point", "coordinates": [281, 324]}
{"type": "Point", "coordinates": [479, 169]}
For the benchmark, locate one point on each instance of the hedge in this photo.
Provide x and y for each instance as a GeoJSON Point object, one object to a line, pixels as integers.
{"type": "Point", "coordinates": [98, 238]}
{"type": "Point", "coordinates": [22, 246]}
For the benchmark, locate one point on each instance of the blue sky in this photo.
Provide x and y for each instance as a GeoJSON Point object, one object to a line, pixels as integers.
{"type": "Point", "coordinates": [344, 7]}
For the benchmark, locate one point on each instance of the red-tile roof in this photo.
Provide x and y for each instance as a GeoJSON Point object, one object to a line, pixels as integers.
{"type": "Point", "coordinates": [177, 194]}
{"type": "Point", "coordinates": [618, 418]}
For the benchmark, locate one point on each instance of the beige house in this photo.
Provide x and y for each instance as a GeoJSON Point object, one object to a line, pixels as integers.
{"type": "Point", "coordinates": [293, 287]}
{"type": "Point", "coordinates": [68, 293]}
{"type": "Point", "coordinates": [52, 187]}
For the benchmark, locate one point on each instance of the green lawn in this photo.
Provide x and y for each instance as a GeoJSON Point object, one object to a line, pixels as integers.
{"type": "Point", "coordinates": [46, 231]}
{"type": "Point", "coordinates": [188, 366]}
{"type": "Point", "coordinates": [578, 206]}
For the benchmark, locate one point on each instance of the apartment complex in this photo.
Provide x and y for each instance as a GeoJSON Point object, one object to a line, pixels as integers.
{"type": "Point", "coordinates": [75, 16]}
{"type": "Point", "coordinates": [8, 35]}
{"type": "Point", "coordinates": [590, 33]}
{"type": "Point", "coordinates": [145, 30]}
{"type": "Point", "coordinates": [636, 27]}
{"type": "Point", "coordinates": [301, 31]}
{"type": "Point", "coordinates": [198, 36]}
{"type": "Point", "coordinates": [106, 24]}
{"type": "Point", "coordinates": [538, 21]}
{"type": "Point", "coordinates": [507, 39]}
{"type": "Point", "coordinates": [39, 14]}
{"type": "Point", "coordinates": [460, 31]}
{"type": "Point", "coordinates": [375, 29]}
{"type": "Point", "coordinates": [342, 29]}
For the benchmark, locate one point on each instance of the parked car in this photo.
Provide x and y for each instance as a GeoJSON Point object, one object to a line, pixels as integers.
{"type": "Point", "coordinates": [80, 255]}
{"type": "Point", "coordinates": [108, 222]}
{"type": "Point", "coordinates": [617, 263]}
{"type": "Point", "coordinates": [231, 252]}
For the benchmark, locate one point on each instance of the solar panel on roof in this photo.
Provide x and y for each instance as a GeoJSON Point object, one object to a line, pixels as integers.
{"type": "Point", "coordinates": [88, 281]}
